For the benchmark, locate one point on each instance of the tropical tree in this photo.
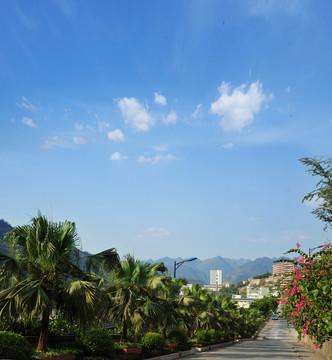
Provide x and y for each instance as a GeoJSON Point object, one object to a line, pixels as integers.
{"type": "Point", "coordinates": [322, 195]}
{"type": "Point", "coordinates": [133, 299]}
{"type": "Point", "coordinates": [42, 275]}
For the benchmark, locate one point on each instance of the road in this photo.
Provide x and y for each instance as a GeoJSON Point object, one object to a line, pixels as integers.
{"type": "Point", "coordinates": [275, 342]}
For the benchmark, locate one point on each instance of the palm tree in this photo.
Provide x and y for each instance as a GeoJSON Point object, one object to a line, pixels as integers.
{"type": "Point", "coordinates": [43, 275]}
{"type": "Point", "coordinates": [133, 299]}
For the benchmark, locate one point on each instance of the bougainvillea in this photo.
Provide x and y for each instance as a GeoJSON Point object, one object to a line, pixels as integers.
{"type": "Point", "coordinates": [308, 294]}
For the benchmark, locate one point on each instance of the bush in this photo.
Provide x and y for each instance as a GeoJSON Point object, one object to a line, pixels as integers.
{"type": "Point", "coordinates": [178, 336]}
{"type": "Point", "coordinates": [153, 341]}
{"type": "Point", "coordinates": [203, 336]}
{"type": "Point", "coordinates": [98, 342]}
{"type": "Point", "coordinates": [14, 346]}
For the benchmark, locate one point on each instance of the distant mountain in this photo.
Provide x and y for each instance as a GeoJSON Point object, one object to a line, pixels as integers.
{"type": "Point", "coordinates": [250, 269]}
{"type": "Point", "coordinates": [4, 228]}
{"type": "Point", "coordinates": [234, 270]}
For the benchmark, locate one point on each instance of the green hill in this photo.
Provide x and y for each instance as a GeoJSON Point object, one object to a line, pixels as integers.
{"type": "Point", "coordinates": [4, 228]}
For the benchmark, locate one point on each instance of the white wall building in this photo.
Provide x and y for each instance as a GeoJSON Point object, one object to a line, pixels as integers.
{"type": "Point", "coordinates": [216, 277]}
{"type": "Point", "coordinates": [257, 292]}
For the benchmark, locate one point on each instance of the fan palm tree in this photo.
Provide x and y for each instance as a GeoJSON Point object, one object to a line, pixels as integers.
{"type": "Point", "coordinates": [132, 294]}
{"type": "Point", "coordinates": [43, 276]}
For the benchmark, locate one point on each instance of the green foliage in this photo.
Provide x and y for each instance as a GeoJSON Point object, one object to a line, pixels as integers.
{"type": "Point", "coordinates": [263, 276]}
{"type": "Point", "coordinates": [57, 352]}
{"type": "Point", "coordinates": [177, 336]}
{"type": "Point", "coordinates": [98, 342]}
{"type": "Point", "coordinates": [323, 192]}
{"type": "Point", "coordinates": [60, 325]}
{"type": "Point", "coordinates": [153, 341]}
{"type": "Point", "coordinates": [203, 336]}
{"type": "Point", "coordinates": [14, 346]}
{"type": "Point", "coordinates": [265, 305]}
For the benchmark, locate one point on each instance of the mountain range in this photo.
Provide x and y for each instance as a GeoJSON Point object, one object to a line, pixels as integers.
{"type": "Point", "coordinates": [234, 270]}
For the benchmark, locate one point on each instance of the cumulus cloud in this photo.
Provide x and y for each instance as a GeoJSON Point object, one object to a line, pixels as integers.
{"type": "Point", "coordinates": [197, 112]}
{"type": "Point", "coordinates": [135, 114]}
{"type": "Point", "coordinates": [29, 122]}
{"type": "Point", "coordinates": [171, 118]}
{"type": "Point", "coordinates": [78, 127]}
{"type": "Point", "coordinates": [314, 202]}
{"type": "Point", "coordinates": [160, 99]}
{"type": "Point", "coordinates": [155, 159]}
{"type": "Point", "coordinates": [116, 135]}
{"type": "Point", "coordinates": [79, 140]}
{"type": "Point", "coordinates": [102, 125]}
{"type": "Point", "coordinates": [238, 108]}
{"type": "Point", "coordinates": [117, 156]}
{"type": "Point", "coordinates": [161, 148]}
{"type": "Point", "coordinates": [228, 146]}
{"type": "Point", "coordinates": [53, 142]}
{"type": "Point", "coordinates": [26, 104]}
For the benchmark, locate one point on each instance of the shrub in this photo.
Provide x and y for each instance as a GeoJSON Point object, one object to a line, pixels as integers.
{"type": "Point", "coordinates": [14, 346]}
{"type": "Point", "coordinates": [153, 341]}
{"type": "Point", "coordinates": [98, 342]}
{"type": "Point", "coordinates": [177, 336]}
{"type": "Point", "coordinates": [202, 336]}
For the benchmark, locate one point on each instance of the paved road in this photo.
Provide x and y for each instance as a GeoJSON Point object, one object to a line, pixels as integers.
{"type": "Point", "coordinates": [275, 342]}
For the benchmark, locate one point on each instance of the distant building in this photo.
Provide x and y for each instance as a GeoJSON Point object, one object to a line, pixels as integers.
{"type": "Point", "coordinates": [282, 268]}
{"type": "Point", "coordinates": [257, 292]}
{"type": "Point", "coordinates": [215, 277]}
{"type": "Point", "coordinates": [215, 280]}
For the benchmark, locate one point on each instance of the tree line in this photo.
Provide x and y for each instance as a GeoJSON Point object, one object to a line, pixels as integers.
{"type": "Point", "coordinates": [43, 283]}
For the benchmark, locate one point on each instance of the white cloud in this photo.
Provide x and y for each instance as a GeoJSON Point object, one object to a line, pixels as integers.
{"type": "Point", "coordinates": [161, 148]}
{"type": "Point", "coordinates": [257, 241]}
{"type": "Point", "coordinates": [268, 7]}
{"type": "Point", "coordinates": [314, 202]}
{"type": "Point", "coordinates": [228, 146]}
{"type": "Point", "coordinates": [135, 114]}
{"type": "Point", "coordinates": [152, 233]}
{"type": "Point", "coordinates": [29, 122]}
{"type": "Point", "coordinates": [238, 109]}
{"type": "Point", "coordinates": [116, 135]}
{"type": "Point", "coordinates": [78, 127]}
{"type": "Point", "coordinates": [117, 156]}
{"type": "Point", "coordinates": [53, 142]}
{"type": "Point", "coordinates": [79, 140]}
{"type": "Point", "coordinates": [156, 159]}
{"type": "Point", "coordinates": [160, 99]}
{"type": "Point", "coordinates": [102, 125]}
{"type": "Point", "coordinates": [26, 104]}
{"type": "Point", "coordinates": [157, 231]}
{"type": "Point", "coordinates": [171, 118]}
{"type": "Point", "coordinates": [197, 112]}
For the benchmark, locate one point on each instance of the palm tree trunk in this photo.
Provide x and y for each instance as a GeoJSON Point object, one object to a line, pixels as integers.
{"type": "Point", "coordinates": [163, 331]}
{"type": "Point", "coordinates": [42, 342]}
{"type": "Point", "coordinates": [124, 332]}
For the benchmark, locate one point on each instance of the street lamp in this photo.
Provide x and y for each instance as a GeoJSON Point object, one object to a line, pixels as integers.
{"type": "Point", "coordinates": [317, 247]}
{"type": "Point", "coordinates": [178, 264]}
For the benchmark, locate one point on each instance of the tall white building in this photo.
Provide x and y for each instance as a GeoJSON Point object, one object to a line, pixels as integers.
{"type": "Point", "coordinates": [216, 277]}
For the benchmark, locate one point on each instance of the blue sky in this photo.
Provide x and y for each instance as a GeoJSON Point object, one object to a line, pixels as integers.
{"type": "Point", "coordinates": [166, 128]}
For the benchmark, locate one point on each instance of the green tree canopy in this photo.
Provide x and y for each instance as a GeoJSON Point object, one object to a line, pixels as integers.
{"type": "Point", "coordinates": [42, 276]}
{"type": "Point", "coordinates": [323, 193]}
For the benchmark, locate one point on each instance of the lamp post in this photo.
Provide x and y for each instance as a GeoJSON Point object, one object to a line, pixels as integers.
{"type": "Point", "coordinates": [317, 247]}
{"type": "Point", "coordinates": [178, 264]}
